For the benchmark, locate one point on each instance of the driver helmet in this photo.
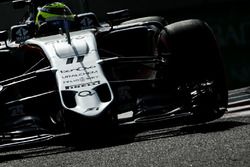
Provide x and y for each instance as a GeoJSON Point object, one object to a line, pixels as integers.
{"type": "Point", "coordinates": [55, 12]}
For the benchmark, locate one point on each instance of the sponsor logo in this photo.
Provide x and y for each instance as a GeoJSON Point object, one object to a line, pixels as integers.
{"type": "Point", "coordinates": [78, 69]}
{"type": "Point", "coordinates": [81, 74]}
{"type": "Point", "coordinates": [83, 85]}
{"type": "Point", "coordinates": [81, 79]}
{"type": "Point", "coordinates": [80, 59]}
{"type": "Point", "coordinates": [87, 22]}
{"type": "Point", "coordinates": [71, 60]}
{"type": "Point", "coordinates": [69, 79]}
{"type": "Point", "coordinates": [22, 34]}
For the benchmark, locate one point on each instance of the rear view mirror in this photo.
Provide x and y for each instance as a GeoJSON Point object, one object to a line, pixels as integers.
{"type": "Point", "coordinates": [119, 16]}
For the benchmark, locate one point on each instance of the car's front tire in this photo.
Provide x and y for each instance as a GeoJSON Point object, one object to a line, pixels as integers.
{"type": "Point", "coordinates": [195, 59]}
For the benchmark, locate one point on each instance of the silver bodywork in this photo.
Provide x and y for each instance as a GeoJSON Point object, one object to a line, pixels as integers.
{"type": "Point", "coordinates": [76, 69]}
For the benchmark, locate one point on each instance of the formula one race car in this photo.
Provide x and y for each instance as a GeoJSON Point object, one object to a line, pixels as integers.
{"type": "Point", "coordinates": [63, 72]}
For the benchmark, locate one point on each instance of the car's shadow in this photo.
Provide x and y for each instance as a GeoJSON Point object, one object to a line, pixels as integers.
{"type": "Point", "coordinates": [121, 136]}
{"type": "Point", "coordinates": [131, 134]}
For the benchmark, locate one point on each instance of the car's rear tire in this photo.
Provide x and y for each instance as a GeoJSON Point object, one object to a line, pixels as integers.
{"type": "Point", "coordinates": [195, 57]}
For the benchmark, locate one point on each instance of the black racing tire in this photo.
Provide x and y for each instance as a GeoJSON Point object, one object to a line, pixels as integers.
{"type": "Point", "coordinates": [158, 19]}
{"type": "Point", "coordinates": [195, 56]}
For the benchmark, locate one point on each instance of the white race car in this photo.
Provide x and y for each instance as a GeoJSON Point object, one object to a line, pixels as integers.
{"type": "Point", "coordinates": [81, 75]}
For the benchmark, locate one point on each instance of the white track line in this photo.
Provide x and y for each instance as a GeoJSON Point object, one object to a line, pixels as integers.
{"type": "Point", "coordinates": [237, 114]}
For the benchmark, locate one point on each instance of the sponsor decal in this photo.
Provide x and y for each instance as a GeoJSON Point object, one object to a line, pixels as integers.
{"type": "Point", "coordinates": [83, 85]}
{"type": "Point", "coordinates": [71, 60]}
{"type": "Point", "coordinates": [81, 74]}
{"type": "Point", "coordinates": [22, 34]}
{"type": "Point", "coordinates": [80, 59]}
{"type": "Point", "coordinates": [86, 22]}
{"type": "Point", "coordinates": [81, 79]}
{"type": "Point", "coordinates": [85, 93]}
{"type": "Point", "coordinates": [77, 69]}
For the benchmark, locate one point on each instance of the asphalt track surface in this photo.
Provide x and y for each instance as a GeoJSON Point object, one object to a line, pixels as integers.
{"type": "Point", "coordinates": [224, 142]}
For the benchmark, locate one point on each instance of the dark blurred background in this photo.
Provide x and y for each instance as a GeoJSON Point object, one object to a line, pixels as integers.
{"type": "Point", "coordinates": [230, 20]}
